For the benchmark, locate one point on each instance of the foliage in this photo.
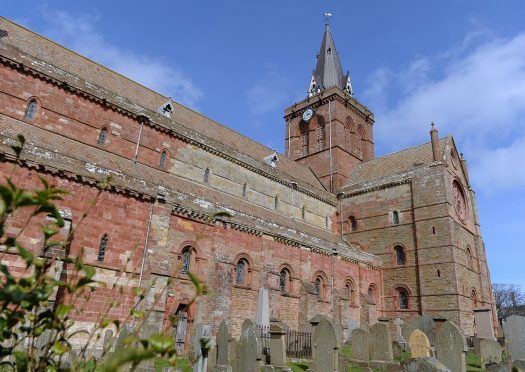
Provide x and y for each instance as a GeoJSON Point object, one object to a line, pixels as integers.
{"type": "Point", "coordinates": [36, 332]}
{"type": "Point", "coordinates": [509, 299]}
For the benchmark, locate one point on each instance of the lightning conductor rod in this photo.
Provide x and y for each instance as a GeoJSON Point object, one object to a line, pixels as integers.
{"type": "Point", "coordinates": [330, 145]}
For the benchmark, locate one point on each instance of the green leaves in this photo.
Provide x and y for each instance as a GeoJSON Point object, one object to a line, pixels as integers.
{"type": "Point", "coordinates": [161, 343]}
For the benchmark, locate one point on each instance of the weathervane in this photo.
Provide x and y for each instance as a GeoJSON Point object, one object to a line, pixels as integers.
{"type": "Point", "coordinates": [327, 16]}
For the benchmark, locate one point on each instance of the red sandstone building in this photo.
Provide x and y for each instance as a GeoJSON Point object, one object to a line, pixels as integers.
{"type": "Point", "coordinates": [326, 228]}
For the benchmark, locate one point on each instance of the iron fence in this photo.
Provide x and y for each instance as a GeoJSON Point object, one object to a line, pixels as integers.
{"type": "Point", "coordinates": [264, 332]}
{"type": "Point", "coordinates": [298, 344]}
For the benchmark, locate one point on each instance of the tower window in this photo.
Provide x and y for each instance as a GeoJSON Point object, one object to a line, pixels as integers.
{"type": "Point", "coordinates": [303, 212]}
{"type": "Point", "coordinates": [470, 263]}
{"type": "Point", "coordinates": [185, 258]}
{"type": "Point", "coordinates": [400, 255]}
{"type": "Point", "coordinates": [350, 292]}
{"type": "Point", "coordinates": [305, 141]}
{"type": "Point", "coordinates": [206, 178]}
{"type": "Point", "coordinates": [163, 158]}
{"type": "Point", "coordinates": [403, 298]}
{"type": "Point", "coordinates": [347, 137]}
{"type": "Point", "coordinates": [103, 136]}
{"type": "Point", "coordinates": [353, 223]}
{"type": "Point", "coordinates": [474, 298]}
{"type": "Point", "coordinates": [102, 247]}
{"type": "Point", "coordinates": [241, 272]}
{"type": "Point", "coordinates": [318, 287]}
{"type": "Point", "coordinates": [284, 281]}
{"type": "Point", "coordinates": [31, 109]}
{"type": "Point", "coordinates": [244, 189]}
{"type": "Point", "coordinates": [320, 137]}
{"type": "Point", "coordinates": [276, 202]}
{"type": "Point", "coordinates": [395, 217]}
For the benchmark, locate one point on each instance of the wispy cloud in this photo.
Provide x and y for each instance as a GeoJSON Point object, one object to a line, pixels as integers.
{"type": "Point", "coordinates": [269, 93]}
{"type": "Point", "coordinates": [79, 33]}
{"type": "Point", "coordinates": [476, 93]}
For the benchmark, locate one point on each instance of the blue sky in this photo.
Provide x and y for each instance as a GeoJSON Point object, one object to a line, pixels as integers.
{"type": "Point", "coordinates": [458, 63]}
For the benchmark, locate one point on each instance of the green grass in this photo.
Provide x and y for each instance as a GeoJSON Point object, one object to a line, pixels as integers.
{"type": "Point", "coordinates": [182, 363]}
{"type": "Point", "coordinates": [298, 366]}
{"type": "Point", "coordinates": [473, 362]}
{"type": "Point", "coordinates": [346, 350]}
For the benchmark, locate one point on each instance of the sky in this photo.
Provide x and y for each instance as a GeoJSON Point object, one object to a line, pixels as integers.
{"type": "Point", "coordinates": [458, 63]}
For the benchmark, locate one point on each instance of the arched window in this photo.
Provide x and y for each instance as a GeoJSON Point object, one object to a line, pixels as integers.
{"type": "Point", "coordinates": [305, 141]}
{"type": "Point", "coordinates": [31, 109]}
{"type": "Point", "coordinates": [276, 202]}
{"type": "Point", "coordinates": [206, 175]}
{"type": "Point", "coordinates": [350, 291]}
{"type": "Point", "coordinates": [347, 137]}
{"type": "Point", "coordinates": [318, 286]}
{"type": "Point", "coordinates": [395, 217]}
{"type": "Point", "coordinates": [244, 190]}
{"type": "Point", "coordinates": [353, 223]}
{"type": "Point", "coordinates": [185, 258]}
{"type": "Point", "coordinates": [326, 221]}
{"type": "Point", "coordinates": [163, 158]}
{"type": "Point", "coordinates": [360, 143]}
{"type": "Point", "coordinates": [474, 298]}
{"type": "Point", "coordinates": [372, 292]}
{"type": "Point", "coordinates": [103, 136]}
{"type": "Point", "coordinates": [241, 271]}
{"type": "Point", "coordinates": [400, 255]}
{"type": "Point", "coordinates": [470, 264]}
{"type": "Point", "coordinates": [403, 298]}
{"type": "Point", "coordinates": [284, 281]}
{"type": "Point", "coordinates": [102, 247]}
{"type": "Point", "coordinates": [303, 212]}
{"type": "Point", "coordinates": [321, 136]}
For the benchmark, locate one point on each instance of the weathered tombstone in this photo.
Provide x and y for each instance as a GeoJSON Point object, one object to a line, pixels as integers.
{"type": "Point", "coordinates": [429, 328]}
{"type": "Point", "coordinates": [514, 329]}
{"type": "Point", "coordinates": [250, 354]}
{"type": "Point", "coordinates": [125, 331]}
{"type": "Point", "coordinates": [234, 352]}
{"type": "Point", "coordinates": [415, 323]}
{"type": "Point", "coordinates": [352, 324]}
{"type": "Point", "coordinates": [365, 326]}
{"type": "Point", "coordinates": [277, 346]}
{"type": "Point", "coordinates": [451, 347]}
{"type": "Point", "coordinates": [361, 344]}
{"type": "Point", "coordinates": [201, 345]}
{"type": "Point", "coordinates": [380, 344]}
{"type": "Point", "coordinates": [489, 351]}
{"type": "Point", "coordinates": [262, 313]}
{"type": "Point", "coordinates": [222, 341]}
{"type": "Point", "coordinates": [326, 345]}
{"type": "Point", "coordinates": [405, 330]}
{"type": "Point", "coordinates": [399, 336]}
{"type": "Point", "coordinates": [426, 365]}
{"type": "Point", "coordinates": [108, 341]}
{"type": "Point", "coordinates": [484, 328]}
{"type": "Point", "coordinates": [419, 344]}
{"type": "Point", "coordinates": [396, 349]}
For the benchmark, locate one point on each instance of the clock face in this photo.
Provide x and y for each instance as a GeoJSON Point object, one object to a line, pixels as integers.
{"type": "Point", "coordinates": [458, 199]}
{"type": "Point", "coordinates": [308, 114]}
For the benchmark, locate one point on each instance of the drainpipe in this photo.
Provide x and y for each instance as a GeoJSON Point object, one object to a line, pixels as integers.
{"type": "Point", "coordinates": [144, 252]}
{"type": "Point", "coordinates": [330, 148]}
{"type": "Point", "coordinates": [138, 143]}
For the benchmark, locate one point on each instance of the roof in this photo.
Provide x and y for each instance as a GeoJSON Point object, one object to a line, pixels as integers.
{"type": "Point", "coordinates": [398, 162]}
{"type": "Point", "coordinates": [47, 51]}
{"type": "Point", "coordinates": [328, 71]}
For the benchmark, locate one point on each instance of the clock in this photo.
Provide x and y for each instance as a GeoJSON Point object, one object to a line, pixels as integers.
{"type": "Point", "coordinates": [308, 114]}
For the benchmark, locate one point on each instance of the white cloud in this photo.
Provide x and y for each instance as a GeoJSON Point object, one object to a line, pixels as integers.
{"type": "Point", "coordinates": [477, 95]}
{"type": "Point", "coordinates": [79, 33]}
{"type": "Point", "coordinates": [269, 93]}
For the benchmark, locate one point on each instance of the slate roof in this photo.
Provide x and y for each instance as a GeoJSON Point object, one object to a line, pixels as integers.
{"type": "Point", "coordinates": [398, 162]}
{"type": "Point", "coordinates": [125, 89]}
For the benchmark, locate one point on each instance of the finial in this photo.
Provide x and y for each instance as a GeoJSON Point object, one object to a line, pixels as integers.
{"type": "Point", "coordinates": [432, 126]}
{"type": "Point", "coordinates": [327, 16]}
{"type": "Point", "coordinates": [461, 156]}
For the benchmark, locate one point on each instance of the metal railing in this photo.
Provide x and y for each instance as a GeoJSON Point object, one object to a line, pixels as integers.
{"type": "Point", "coordinates": [264, 332]}
{"type": "Point", "coordinates": [298, 344]}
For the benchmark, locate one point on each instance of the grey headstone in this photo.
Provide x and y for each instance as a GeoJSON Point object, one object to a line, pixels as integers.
{"type": "Point", "coordinates": [429, 328]}
{"type": "Point", "coordinates": [222, 340]}
{"type": "Point", "coordinates": [489, 351]}
{"type": "Point", "coordinates": [415, 323]}
{"type": "Point", "coordinates": [201, 340]}
{"type": "Point", "coordinates": [326, 345]}
{"type": "Point", "coordinates": [352, 324]}
{"type": "Point", "coordinates": [262, 313]}
{"type": "Point", "coordinates": [396, 349]}
{"type": "Point", "coordinates": [250, 348]}
{"type": "Point", "coordinates": [426, 365]}
{"type": "Point", "coordinates": [405, 331]}
{"type": "Point", "coordinates": [484, 327]}
{"type": "Point", "coordinates": [514, 329]}
{"type": "Point", "coordinates": [361, 344]}
{"type": "Point", "coordinates": [451, 347]}
{"type": "Point", "coordinates": [380, 344]}
{"type": "Point", "coordinates": [419, 344]}
{"type": "Point", "coordinates": [108, 341]}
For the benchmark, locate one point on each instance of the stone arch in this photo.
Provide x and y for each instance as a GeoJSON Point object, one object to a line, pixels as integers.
{"type": "Point", "coordinates": [32, 106]}
{"type": "Point", "coordinates": [360, 149]}
{"type": "Point", "coordinates": [286, 275]}
{"type": "Point", "coordinates": [320, 282]}
{"type": "Point", "coordinates": [320, 132]}
{"type": "Point", "coordinates": [351, 290]}
{"type": "Point", "coordinates": [187, 255]}
{"type": "Point", "coordinates": [398, 253]}
{"type": "Point", "coordinates": [401, 294]}
{"type": "Point", "coordinates": [243, 268]}
{"type": "Point", "coordinates": [103, 136]}
{"type": "Point", "coordinates": [304, 136]}
{"type": "Point", "coordinates": [164, 158]}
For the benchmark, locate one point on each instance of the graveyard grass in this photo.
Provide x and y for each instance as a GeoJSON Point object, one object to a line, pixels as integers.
{"type": "Point", "coordinates": [473, 362]}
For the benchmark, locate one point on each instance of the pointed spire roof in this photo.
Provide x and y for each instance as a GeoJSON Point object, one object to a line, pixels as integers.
{"type": "Point", "coordinates": [328, 71]}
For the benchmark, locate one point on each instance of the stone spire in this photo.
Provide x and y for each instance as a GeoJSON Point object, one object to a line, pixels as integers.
{"type": "Point", "coordinates": [328, 71]}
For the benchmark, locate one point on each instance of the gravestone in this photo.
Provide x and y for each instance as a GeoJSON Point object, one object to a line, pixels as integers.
{"type": "Point", "coordinates": [201, 343]}
{"type": "Point", "coordinates": [234, 352]}
{"type": "Point", "coordinates": [514, 329]}
{"type": "Point", "coordinates": [484, 327]}
{"type": "Point", "coordinates": [451, 347]}
{"type": "Point", "coordinates": [419, 344]}
{"type": "Point", "coordinates": [222, 340]}
{"type": "Point", "coordinates": [326, 345]}
{"type": "Point", "coordinates": [361, 344]}
{"type": "Point", "coordinates": [489, 351]}
{"type": "Point", "coordinates": [250, 353]}
{"type": "Point", "coordinates": [399, 335]}
{"type": "Point", "coordinates": [415, 323]}
{"type": "Point", "coordinates": [405, 331]}
{"type": "Point", "coordinates": [352, 324]}
{"type": "Point", "coordinates": [429, 328]}
{"type": "Point", "coordinates": [262, 313]}
{"type": "Point", "coordinates": [396, 349]}
{"type": "Point", "coordinates": [108, 341]}
{"type": "Point", "coordinates": [426, 365]}
{"type": "Point", "coordinates": [277, 346]}
{"type": "Point", "coordinates": [380, 344]}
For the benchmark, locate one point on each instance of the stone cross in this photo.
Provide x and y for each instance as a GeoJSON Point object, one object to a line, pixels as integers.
{"type": "Point", "coordinates": [399, 335]}
{"type": "Point", "coordinates": [380, 344]}
{"type": "Point", "coordinates": [514, 329]}
{"type": "Point", "coordinates": [451, 347]}
{"type": "Point", "coordinates": [419, 344]}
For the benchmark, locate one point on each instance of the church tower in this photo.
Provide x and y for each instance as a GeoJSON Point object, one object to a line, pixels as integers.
{"type": "Point", "coordinates": [329, 131]}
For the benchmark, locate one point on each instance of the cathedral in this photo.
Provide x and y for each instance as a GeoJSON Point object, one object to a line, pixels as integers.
{"type": "Point", "coordinates": [326, 228]}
